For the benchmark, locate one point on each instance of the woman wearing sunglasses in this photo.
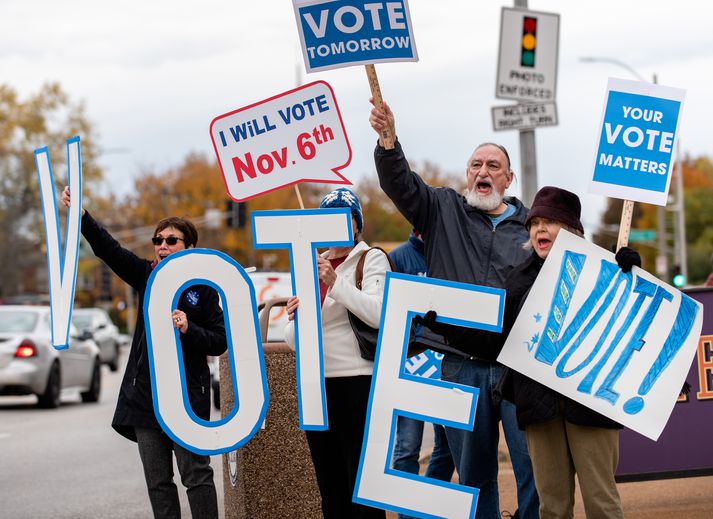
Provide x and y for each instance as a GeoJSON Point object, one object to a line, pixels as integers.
{"type": "Point", "coordinates": [199, 321]}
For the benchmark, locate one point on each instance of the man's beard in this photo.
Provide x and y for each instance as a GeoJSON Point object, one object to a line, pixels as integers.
{"type": "Point", "coordinates": [485, 203]}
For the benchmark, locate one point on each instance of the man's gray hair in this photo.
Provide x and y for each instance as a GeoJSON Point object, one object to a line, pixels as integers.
{"type": "Point", "coordinates": [498, 146]}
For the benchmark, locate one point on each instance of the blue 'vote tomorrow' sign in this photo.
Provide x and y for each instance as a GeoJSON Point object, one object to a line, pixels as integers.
{"type": "Point", "coordinates": [354, 32]}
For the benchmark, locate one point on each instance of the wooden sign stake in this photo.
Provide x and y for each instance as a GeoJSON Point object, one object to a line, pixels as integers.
{"type": "Point", "coordinates": [299, 196]}
{"type": "Point", "coordinates": [625, 226]}
{"type": "Point", "coordinates": [387, 135]}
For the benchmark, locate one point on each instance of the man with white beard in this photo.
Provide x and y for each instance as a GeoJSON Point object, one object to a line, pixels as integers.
{"type": "Point", "coordinates": [475, 237]}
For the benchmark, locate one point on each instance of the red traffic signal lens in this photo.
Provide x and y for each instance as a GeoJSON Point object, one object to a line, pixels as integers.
{"type": "Point", "coordinates": [529, 25]}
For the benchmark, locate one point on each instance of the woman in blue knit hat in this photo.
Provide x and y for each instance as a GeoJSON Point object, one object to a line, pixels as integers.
{"type": "Point", "coordinates": [336, 452]}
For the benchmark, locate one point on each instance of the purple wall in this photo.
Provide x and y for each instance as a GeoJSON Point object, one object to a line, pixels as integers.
{"type": "Point", "coordinates": [684, 447]}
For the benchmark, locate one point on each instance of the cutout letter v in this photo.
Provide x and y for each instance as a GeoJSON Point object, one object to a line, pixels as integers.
{"type": "Point", "coordinates": [62, 267]}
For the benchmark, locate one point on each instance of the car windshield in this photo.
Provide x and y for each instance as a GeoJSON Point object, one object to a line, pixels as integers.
{"type": "Point", "coordinates": [82, 321]}
{"type": "Point", "coordinates": [12, 321]}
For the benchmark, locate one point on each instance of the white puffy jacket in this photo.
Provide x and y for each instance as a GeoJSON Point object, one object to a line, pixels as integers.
{"type": "Point", "coordinates": [341, 350]}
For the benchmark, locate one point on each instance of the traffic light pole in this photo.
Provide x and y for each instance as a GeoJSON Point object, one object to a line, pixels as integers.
{"type": "Point", "coordinates": [528, 154]}
{"type": "Point", "coordinates": [528, 165]}
{"type": "Point", "coordinates": [681, 214]}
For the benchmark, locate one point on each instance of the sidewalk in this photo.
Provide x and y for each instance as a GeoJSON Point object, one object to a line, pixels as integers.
{"type": "Point", "coordinates": [688, 498]}
{"type": "Point", "coordinates": [664, 499]}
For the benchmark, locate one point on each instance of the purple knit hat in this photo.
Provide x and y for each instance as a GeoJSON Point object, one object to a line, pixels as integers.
{"type": "Point", "coordinates": [556, 204]}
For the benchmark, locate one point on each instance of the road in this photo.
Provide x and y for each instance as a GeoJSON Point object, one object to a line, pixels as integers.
{"type": "Point", "coordinates": [70, 463]}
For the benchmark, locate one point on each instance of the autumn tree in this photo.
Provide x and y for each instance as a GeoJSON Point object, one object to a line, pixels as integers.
{"type": "Point", "coordinates": [698, 204]}
{"type": "Point", "coordinates": [382, 221]}
{"type": "Point", "coordinates": [195, 189]}
{"type": "Point", "coordinates": [45, 118]}
{"type": "Point", "coordinates": [698, 188]}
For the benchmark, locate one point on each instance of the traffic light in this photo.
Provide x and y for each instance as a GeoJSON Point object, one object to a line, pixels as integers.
{"type": "Point", "coordinates": [104, 283]}
{"type": "Point", "coordinates": [242, 214]}
{"type": "Point", "coordinates": [237, 214]}
{"type": "Point", "coordinates": [678, 278]}
{"type": "Point", "coordinates": [529, 41]}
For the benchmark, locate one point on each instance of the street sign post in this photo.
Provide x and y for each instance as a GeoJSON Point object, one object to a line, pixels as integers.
{"type": "Point", "coordinates": [527, 61]}
{"type": "Point", "coordinates": [524, 116]}
{"type": "Point", "coordinates": [641, 235]}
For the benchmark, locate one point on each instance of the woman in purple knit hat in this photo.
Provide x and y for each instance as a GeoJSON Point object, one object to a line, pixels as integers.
{"type": "Point", "coordinates": [564, 438]}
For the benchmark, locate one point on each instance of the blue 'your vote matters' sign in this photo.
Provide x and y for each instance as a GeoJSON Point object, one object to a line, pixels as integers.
{"type": "Point", "coordinates": [636, 141]}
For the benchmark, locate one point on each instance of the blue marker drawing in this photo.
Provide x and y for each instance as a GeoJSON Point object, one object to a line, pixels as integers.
{"type": "Point", "coordinates": [606, 390]}
{"type": "Point", "coordinates": [645, 289]}
{"type": "Point", "coordinates": [686, 317]}
{"type": "Point", "coordinates": [532, 342]}
{"type": "Point", "coordinates": [572, 263]}
{"type": "Point", "coordinates": [622, 278]}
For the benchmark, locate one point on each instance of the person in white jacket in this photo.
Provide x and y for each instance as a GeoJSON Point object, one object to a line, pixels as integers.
{"type": "Point", "coordinates": [336, 452]}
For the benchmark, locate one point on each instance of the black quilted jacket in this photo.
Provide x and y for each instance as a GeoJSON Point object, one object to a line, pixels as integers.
{"type": "Point", "coordinates": [205, 336]}
{"type": "Point", "coordinates": [460, 241]}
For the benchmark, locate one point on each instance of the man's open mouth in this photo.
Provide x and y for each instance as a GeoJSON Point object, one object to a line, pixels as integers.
{"type": "Point", "coordinates": [483, 187]}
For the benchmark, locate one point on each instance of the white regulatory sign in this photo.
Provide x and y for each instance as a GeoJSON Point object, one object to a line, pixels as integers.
{"type": "Point", "coordinates": [527, 62]}
{"type": "Point", "coordinates": [525, 116]}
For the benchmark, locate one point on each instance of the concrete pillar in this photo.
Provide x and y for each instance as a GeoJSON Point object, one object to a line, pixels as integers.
{"type": "Point", "coordinates": [272, 475]}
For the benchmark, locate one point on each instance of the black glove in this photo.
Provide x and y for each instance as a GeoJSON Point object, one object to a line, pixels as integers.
{"type": "Point", "coordinates": [686, 388]}
{"type": "Point", "coordinates": [429, 321]}
{"type": "Point", "coordinates": [626, 258]}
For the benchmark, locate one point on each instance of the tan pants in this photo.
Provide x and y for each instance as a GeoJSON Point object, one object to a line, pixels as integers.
{"type": "Point", "coordinates": [558, 450]}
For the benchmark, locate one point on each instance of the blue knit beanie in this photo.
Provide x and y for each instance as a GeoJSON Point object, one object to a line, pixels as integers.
{"type": "Point", "coordinates": [343, 197]}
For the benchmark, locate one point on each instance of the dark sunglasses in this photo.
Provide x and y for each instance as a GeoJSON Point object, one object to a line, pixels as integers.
{"type": "Point", "coordinates": [170, 240]}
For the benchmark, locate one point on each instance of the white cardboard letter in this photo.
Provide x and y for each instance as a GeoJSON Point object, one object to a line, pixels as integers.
{"type": "Point", "coordinates": [62, 268]}
{"type": "Point", "coordinates": [166, 283]}
{"type": "Point", "coordinates": [395, 393]}
{"type": "Point", "coordinates": [301, 231]}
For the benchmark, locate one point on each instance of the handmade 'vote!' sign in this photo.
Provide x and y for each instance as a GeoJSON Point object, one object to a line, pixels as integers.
{"type": "Point", "coordinates": [619, 343]}
{"type": "Point", "coordinates": [297, 136]}
{"type": "Point", "coordinates": [636, 141]}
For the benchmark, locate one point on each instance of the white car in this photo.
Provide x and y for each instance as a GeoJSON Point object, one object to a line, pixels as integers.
{"type": "Point", "coordinates": [269, 285]}
{"type": "Point", "coordinates": [29, 364]}
{"type": "Point", "coordinates": [103, 330]}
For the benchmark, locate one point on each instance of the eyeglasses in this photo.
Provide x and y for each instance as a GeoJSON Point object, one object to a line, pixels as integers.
{"type": "Point", "coordinates": [170, 240]}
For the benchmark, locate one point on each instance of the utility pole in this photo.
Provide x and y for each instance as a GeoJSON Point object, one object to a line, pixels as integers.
{"type": "Point", "coordinates": [681, 215]}
{"type": "Point", "coordinates": [662, 258]}
{"type": "Point", "coordinates": [528, 154]}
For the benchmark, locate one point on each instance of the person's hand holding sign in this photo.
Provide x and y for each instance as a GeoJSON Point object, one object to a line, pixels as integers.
{"type": "Point", "coordinates": [67, 198]}
{"type": "Point", "coordinates": [382, 119]}
{"type": "Point", "coordinates": [292, 304]}
{"type": "Point", "coordinates": [180, 321]}
{"type": "Point", "coordinates": [325, 271]}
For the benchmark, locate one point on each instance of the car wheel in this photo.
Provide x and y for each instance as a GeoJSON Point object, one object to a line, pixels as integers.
{"type": "Point", "coordinates": [114, 362]}
{"type": "Point", "coordinates": [92, 395]}
{"type": "Point", "coordinates": [50, 398]}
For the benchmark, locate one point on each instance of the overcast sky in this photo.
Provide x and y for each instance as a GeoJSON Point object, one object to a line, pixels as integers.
{"type": "Point", "coordinates": [155, 73]}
